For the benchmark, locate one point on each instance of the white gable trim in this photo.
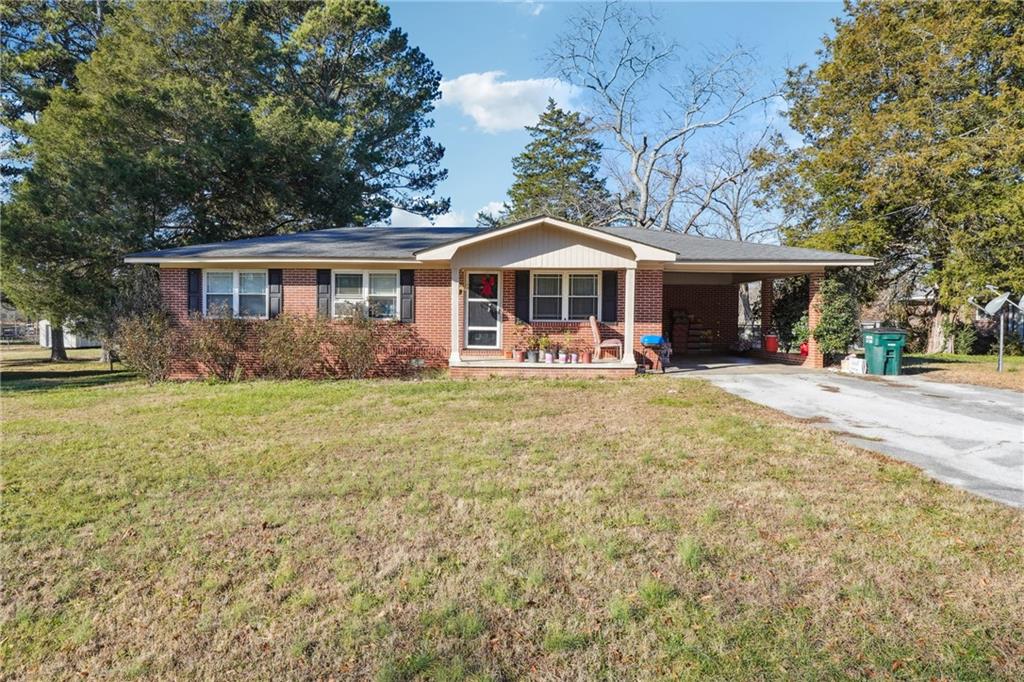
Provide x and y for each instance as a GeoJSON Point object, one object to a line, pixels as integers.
{"type": "Point", "coordinates": [446, 252]}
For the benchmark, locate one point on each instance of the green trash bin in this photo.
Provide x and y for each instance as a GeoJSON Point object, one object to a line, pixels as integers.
{"type": "Point", "coordinates": [883, 350]}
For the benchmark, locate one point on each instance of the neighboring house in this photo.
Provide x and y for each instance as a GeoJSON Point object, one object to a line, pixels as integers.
{"type": "Point", "coordinates": [71, 340]}
{"type": "Point", "coordinates": [469, 295]}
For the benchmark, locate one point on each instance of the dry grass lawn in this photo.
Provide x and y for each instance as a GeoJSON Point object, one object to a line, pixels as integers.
{"type": "Point", "coordinates": [979, 370]}
{"type": "Point", "coordinates": [650, 528]}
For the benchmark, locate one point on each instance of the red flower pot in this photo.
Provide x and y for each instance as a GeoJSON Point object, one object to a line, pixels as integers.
{"type": "Point", "coordinates": [586, 357]}
{"type": "Point", "coordinates": [771, 343]}
{"type": "Point", "coordinates": [804, 350]}
{"type": "Point", "coordinates": [519, 355]}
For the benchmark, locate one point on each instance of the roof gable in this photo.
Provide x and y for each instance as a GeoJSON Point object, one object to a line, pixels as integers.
{"type": "Point", "coordinates": [641, 250]}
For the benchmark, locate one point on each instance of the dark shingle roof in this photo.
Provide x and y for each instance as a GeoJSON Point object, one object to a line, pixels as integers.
{"type": "Point", "coordinates": [402, 243]}
{"type": "Point", "coordinates": [702, 249]}
{"type": "Point", "coordinates": [338, 242]}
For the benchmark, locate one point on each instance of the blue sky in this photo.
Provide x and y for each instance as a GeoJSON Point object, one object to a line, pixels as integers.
{"type": "Point", "coordinates": [491, 55]}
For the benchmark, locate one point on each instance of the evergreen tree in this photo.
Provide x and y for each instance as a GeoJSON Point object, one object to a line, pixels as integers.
{"type": "Point", "coordinates": [558, 173]}
{"type": "Point", "coordinates": [914, 148]}
{"type": "Point", "coordinates": [204, 120]}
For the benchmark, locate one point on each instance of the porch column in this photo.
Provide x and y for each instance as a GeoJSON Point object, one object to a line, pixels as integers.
{"type": "Point", "coordinates": [767, 305]}
{"type": "Point", "coordinates": [815, 358]}
{"type": "Point", "coordinates": [456, 337]}
{"type": "Point", "coordinates": [628, 356]}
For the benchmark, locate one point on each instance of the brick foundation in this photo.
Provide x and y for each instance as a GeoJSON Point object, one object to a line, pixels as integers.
{"type": "Point", "coordinates": [535, 372]}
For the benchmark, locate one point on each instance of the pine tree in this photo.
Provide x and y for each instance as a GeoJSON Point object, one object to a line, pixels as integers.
{"type": "Point", "coordinates": [558, 173]}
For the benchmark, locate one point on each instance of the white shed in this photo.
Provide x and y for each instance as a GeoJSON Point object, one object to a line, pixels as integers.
{"type": "Point", "coordinates": [70, 340]}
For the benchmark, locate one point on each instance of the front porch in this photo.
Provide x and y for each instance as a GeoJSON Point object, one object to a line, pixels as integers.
{"type": "Point", "coordinates": [500, 367]}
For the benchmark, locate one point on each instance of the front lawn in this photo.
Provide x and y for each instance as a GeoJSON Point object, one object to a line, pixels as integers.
{"type": "Point", "coordinates": [488, 530]}
{"type": "Point", "coordinates": [967, 369]}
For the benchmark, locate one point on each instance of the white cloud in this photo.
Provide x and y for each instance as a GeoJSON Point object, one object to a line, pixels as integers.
{"type": "Point", "coordinates": [496, 105]}
{"type": "Point", "coordinates": [531, 7]}
{"type": "Point", "coordinates": [491, 207]}
{"type": "Point", "coordinates": [400, 218]}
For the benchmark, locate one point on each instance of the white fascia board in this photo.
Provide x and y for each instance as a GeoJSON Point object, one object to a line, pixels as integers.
{"type": "Point", "coordinates": [445, 252]}
{"type": "Point", "coordinates": [796, 267]}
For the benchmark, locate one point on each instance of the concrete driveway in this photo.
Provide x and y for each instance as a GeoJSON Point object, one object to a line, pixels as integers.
{"type": "Point", "coordinates": [968, 436]}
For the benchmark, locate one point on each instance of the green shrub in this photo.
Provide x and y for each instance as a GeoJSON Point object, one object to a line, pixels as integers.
{"type": "Point", "coordinates": [217, 343]}
{"type": "Point", "coordinates": [1011, 346]}
{"type": "Point", "coordinates": [145, 343]}
{"type": "Point", "coordinates": [789, 306]}
{"type": "Point", "coordinates": [837, 326]}
{"type": "Point", "coordinates": [292, 346]}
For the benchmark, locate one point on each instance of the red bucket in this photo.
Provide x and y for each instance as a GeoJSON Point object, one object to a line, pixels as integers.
{"type": "Point", "coordinates": [771, 343]}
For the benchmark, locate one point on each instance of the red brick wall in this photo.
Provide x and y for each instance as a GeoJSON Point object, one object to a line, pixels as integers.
{"type": "Point", "coordinates": [425, 339]}
{"type": "Point", "coordinates": [648, 308]}
{"type": "Point", "coordinates": [429, 336]}
{"type": "Point", "coordinates": [715, 305]}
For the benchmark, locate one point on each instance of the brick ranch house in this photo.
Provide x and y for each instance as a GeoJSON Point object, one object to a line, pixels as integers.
{"type": "Point", "coordinates": [466, 296]}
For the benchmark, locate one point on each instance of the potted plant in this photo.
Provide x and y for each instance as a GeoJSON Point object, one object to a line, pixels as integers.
{"type": "Point", "coordinates": [533, 349]}
{"type": "Point", "coordinates": [563, 355]}
{"type": "Point", "coordinates": [586, 357]}
{"type": "Point", "coordinates": [545, 349]}
{"type": "Point", "coordinates": [574, 358]}
{"type": "Point", "coordinates": [518, 355]}
{"type": "Point", "coordinates": [771, 341]}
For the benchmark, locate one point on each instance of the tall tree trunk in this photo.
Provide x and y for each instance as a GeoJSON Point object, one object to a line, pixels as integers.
{"type": "Point", "coordinates": [748, 315]}
{"type": "Point", "coordinates": [937, 341]}
{"type": "Point", "coordinates": [57, 352]}
{"type": "Point", "coordinates": [105, 351]}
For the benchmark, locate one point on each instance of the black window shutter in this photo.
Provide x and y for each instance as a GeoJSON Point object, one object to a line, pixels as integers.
{"type": "Point", "coordinates": [275, 287]}
{"type": "Point", "coordinates": [323, 293]}
{"type": "Point", "coordinates": [523, 295]}
{"type": "Point", "coordinates": [195, 290]}
{"type": "Point", "coordinates": [407, 279]}
{"type": "Point", "coordinates": [610, 296]}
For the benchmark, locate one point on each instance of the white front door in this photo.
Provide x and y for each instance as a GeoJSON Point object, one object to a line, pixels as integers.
{"type": "Point", "coordinates": [483, 310]}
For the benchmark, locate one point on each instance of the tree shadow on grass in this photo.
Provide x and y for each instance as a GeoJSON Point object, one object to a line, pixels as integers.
{"type": "Point", "coordinates": [48, 380]}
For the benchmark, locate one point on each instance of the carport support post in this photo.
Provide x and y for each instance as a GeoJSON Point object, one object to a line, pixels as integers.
{"type": "Point", "coordinates": [456, 338]}
{"type": "Point", "coordinates": [814, 358]}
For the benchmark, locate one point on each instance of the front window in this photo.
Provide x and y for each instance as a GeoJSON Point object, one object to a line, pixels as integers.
{"type": "Point", "coordinates": [236, 293]}
{"type": "Point", "coordinates": [547, 297]}
{"type": "Point", "coordinates": [564, 296]}
{"type": "Point", "coordinates": [374, 292]}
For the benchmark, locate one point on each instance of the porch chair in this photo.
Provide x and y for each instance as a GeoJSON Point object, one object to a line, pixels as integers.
{"type": "Point", "coordinates": [599, 345]}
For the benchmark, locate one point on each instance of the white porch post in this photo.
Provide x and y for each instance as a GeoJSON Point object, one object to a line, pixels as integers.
{"type": "Point", "coordinates": [628, 356]}
{"type": "Point", "coordinates": [456, 338]}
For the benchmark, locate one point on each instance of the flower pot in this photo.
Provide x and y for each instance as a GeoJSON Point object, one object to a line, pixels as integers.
{"type": "Point", "coordinates": [549, 358]}
{"type": "Point", "coordinates": [507, 354]}
{"type": "Point", "coordinates": [771, 343]}
{"type": "Point", "coordinates": [563, 357]}
{"type": "Point", "coordinates": [804, 348]}
{"type": "Point", "coordinates": [519, 355]}
{"type": "Point", "coordinates": [586, 357]}
{"type": "Point", "coordinates": [574, 358]}
{"type": "Point", "coordinates": [532, 356]}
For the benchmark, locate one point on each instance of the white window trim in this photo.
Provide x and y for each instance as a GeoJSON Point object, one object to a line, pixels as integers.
{"type": "Point", "coordinates": [236, 292]}
{"type": "Point", "coordinates": [365, 297]}
{"type": "Point", "coordinates": [465, 310]}
{"type": "Point", "coordinates": [565, 294]}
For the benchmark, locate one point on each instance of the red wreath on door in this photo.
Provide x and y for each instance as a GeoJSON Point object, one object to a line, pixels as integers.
{"type": "Point", "coordinates": [488, 285]}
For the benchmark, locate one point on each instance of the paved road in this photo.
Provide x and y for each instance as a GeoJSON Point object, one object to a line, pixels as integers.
{"type": "Point", "coordinates": [968, 436]}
